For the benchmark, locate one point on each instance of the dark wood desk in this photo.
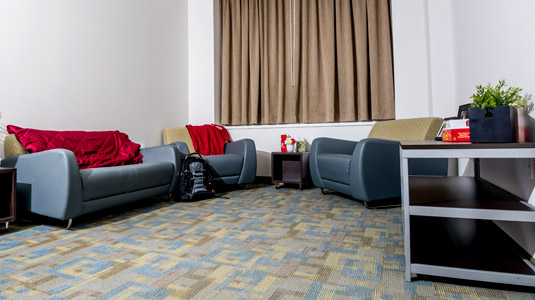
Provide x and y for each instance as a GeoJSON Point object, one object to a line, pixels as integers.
{"type": "Point", "coordinates": [8, 195]}
{"type": "Point", "coordinates": [448, 222]}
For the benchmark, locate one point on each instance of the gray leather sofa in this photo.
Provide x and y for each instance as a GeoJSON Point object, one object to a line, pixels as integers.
{"type": "Point", "coordinates": [50, 183]}
{"type": "Point", "coordinates": [369, 169]}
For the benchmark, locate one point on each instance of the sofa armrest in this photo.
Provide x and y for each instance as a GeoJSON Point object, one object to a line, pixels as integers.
{"type": "Point", "coordinates": [375, 170]}
{"type": "Point", "coordinates": [327, 145]}
{"type": "Point", "coordinates": [183, 149]}
{"type": "Point", "coordinates": [167, 153]}
{"type": "Point", "coordinates": [246, 148]}
{"type": "Point", "coordinates": [48, 183]}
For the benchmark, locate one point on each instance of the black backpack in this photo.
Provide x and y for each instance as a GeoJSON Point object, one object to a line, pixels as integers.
{"type": "Point", "coordinates": [195, 178]}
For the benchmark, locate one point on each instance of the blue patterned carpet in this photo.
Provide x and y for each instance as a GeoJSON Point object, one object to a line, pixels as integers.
{"type": "Point", "coordinates": [260, 243]}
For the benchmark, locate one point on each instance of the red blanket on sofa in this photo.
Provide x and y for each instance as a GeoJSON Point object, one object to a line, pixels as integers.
{"type": "Point", "coordinates": [209, 139]}
{"type": "Point", "coordinates": [91, 148]}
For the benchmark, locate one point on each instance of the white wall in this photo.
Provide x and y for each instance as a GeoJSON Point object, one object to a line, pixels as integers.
{"type": "Point", "coordinates": [410, 38]}
{"type": "Point", "coordinates": [94, 65]}
{"type": "Point", "coordinates": [494, 39]}
{"type": "Point", "coordinates": [424, 70]}
{"type": "Point", "coordinates": [441, 57]}
{"type": "Point", "coordinates": [201, 39]}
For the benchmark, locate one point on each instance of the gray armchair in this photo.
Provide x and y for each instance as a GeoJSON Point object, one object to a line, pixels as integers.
{"type": "Point", "coordinates": [236, 166]}
{"type": "Point", "coordinates": [369, 170]}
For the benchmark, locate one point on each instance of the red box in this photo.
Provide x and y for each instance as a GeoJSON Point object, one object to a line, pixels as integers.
{"type": "Point", "coordinates": [456, 131]}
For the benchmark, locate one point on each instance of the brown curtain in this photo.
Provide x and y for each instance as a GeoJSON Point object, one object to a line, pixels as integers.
{"type": "Point", "coordinates": [342, 61]}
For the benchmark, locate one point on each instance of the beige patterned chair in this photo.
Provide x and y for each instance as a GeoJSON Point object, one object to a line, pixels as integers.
{"type": "Point", "coordinates": [368, 170]}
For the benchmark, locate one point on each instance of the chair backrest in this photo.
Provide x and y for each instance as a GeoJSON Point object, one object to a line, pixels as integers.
{"type": "Point", "coordinates": [177, 134]}
{"type": "Point", "coordinates": [12, 147]}
{"type": "Point", "coordinates": [416, 129]}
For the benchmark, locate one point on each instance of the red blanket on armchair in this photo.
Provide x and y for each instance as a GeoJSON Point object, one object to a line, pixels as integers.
{"type": "Point", "coordinates": [209, 139]}
{"type": "Point", "coordinates": [91, 148]}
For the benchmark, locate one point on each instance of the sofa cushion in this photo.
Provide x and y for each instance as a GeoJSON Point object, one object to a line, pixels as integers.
{"type": "Point", "coordinates": [12, 147]}
{"type": "Point", "coordinates": [225, 165]}
{"type": "Point", "coordinates": [335, 167]}
{"type": "Point", "coordinates": [108, 181]}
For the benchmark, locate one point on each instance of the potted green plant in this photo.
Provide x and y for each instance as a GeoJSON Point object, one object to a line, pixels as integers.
{"type": "Point", "coordinates": [493, 113]}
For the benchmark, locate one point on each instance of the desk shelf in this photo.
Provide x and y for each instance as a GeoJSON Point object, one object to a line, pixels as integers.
{"type": "Point", "coordinates": [468, 249]}
{"type": "Point", "coordinates": [466, 197]}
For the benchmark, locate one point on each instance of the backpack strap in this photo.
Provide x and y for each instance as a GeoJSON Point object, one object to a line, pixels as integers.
{"type": "Point", "coordinates": [194, 154]}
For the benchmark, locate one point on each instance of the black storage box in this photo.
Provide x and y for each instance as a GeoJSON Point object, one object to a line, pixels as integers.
{"type": "Point", "coordinates": [493, 124]}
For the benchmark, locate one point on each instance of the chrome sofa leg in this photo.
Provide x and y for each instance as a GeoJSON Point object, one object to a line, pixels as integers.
{"type": "Point", "coordinates": [69, 224]}
{"type": "Point", "coordinates": [323, 191]}
{"type": "Point", "coordinates": [7, 225]}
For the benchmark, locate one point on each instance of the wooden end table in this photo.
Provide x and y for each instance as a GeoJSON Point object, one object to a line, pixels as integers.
{"type": "Point", "coordinates": [8, 195]}
{"type": "Point", "coordinates": [290, 167]}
